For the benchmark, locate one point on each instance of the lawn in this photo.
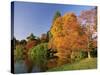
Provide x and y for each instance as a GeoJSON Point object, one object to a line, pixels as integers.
{"type": "Point", "coordinates": [83, 64]}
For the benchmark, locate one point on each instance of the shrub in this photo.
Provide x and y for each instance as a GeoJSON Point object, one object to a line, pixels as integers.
{"type": "Point", "coordinates": [18, 53]}
{"type": "Point", "coordinates": [94, 52]}
{"type": "Point", "coordinates": [38, 55]}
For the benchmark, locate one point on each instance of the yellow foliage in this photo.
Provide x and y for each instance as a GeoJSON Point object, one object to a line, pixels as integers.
{"type": "Point", "coordinates": [66, 36]}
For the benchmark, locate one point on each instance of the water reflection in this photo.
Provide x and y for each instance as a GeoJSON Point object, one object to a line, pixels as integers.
{"type": "Point", "coordinates": [20, 67]}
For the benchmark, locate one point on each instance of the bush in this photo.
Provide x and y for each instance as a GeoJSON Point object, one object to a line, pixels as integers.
{"type": "Point", "coordinates": [38, 55]}
{"type": "Point", "coordinates": [18, 53]}
{"type": "Point", "coordinates": [78, 55]}
{"type": "Point", "coordinates": [83, 54]}
{"type": "Point", "coordinates": [94, 52]}
{"type": "Point", "coordinates": [75, 56]}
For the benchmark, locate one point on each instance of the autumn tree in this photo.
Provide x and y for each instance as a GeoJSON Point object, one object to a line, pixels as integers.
{"type": "Point", "coordinates": [66, 37]}
{"type": "Point", "coordinates": [44, 38]}
{"type": "Point", "coordinates": [88, 19]}
{"type": "Point", "coordinates": [31, 42]}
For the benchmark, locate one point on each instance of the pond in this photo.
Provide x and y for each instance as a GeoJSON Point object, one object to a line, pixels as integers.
{"type": "Point", "coordinates": [20, 67]}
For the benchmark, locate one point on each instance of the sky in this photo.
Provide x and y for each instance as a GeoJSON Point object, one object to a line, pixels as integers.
{"type": "Point", "coordinates": [37, 18]}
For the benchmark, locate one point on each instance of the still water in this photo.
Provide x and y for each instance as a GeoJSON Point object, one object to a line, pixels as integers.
{"type": "Point", "coordinates": [20, 67]}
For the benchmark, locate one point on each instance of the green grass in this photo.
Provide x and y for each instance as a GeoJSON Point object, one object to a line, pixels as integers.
{"type": "Point", "coordinates": [83, 64]}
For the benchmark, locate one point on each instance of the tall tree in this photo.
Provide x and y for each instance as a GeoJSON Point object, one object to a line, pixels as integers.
{"type": "Point", "coordinates": [88, 18]}
{"type": "Point", "coordinates": [66, 33]}
{"type": "Point", "coordinates": [57, 14]}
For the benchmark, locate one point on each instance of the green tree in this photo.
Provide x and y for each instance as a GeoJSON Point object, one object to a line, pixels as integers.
{"type": "Point", "coordinates": [31, 37]}
{"type": "Point", "coordinates": [38, 55]}
{"type": "Point", "coordinates": [57, 14]}
{"type": "Point", "coordinates": [18, 53]}
{"type": "Point", "coordinates": [15, 42]}
{"type": "Point", "coordinates": [23, 42]}
{"type": "Point", "coordinates": [49, 35]}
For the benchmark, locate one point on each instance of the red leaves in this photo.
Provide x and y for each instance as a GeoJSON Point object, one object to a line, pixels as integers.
{"type": "Point", "coordinates": [31, 44]}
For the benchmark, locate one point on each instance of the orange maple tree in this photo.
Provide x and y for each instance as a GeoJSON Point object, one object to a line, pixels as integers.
{"type": "Point", "coordinates": [68, 36]}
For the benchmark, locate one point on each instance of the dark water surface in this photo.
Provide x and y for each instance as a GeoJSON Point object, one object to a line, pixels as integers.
{"type": "Point", "coordinates": [20, 67]}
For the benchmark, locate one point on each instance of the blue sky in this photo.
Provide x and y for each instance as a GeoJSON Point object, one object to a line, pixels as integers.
{"type": "Point", "coordinates": [37, 18]}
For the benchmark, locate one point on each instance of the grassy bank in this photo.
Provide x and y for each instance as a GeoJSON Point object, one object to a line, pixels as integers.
{"type": "Point", "coordinates": [83, 64]}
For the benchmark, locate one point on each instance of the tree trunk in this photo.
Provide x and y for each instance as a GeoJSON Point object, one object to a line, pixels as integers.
{"type": "Point", "coordinates": [89, 56]}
